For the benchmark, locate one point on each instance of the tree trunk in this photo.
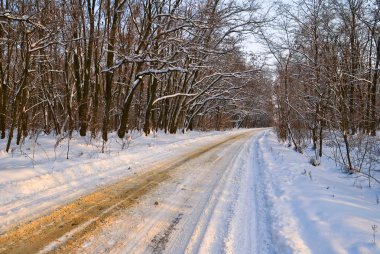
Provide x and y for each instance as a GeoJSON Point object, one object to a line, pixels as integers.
{"type": "Point", "coordinates": [87, 68]}
{"type": "Point", "coordinates": [373, 90]}
{"type": "Point", "coordinates": [110, 62]}
{"type": "Point", "coordinates": [20, 92]}
{"type": "Point", "coordinates": [152, 95]}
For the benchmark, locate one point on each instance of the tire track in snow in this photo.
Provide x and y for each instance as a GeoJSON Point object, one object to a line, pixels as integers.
{"type": "Point", "coordinates": [236, 217]}
{"type": "Point", "coordinates": [209, 233]}
{"type": "Point", "coordinates": [187, 192]}
{"type": "Point", "coordinates": [233, 218]}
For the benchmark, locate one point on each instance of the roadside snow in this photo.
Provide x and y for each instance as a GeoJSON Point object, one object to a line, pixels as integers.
{"type": "Point", "coordinates": [316, 209]}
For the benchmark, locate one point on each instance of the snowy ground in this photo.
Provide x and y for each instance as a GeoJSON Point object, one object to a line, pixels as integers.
{"type": "Point", "coordinates": [246, 194]}
{"type": "Point", "coordinates": [316, 209]}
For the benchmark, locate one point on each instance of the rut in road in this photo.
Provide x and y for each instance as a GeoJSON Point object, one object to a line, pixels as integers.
{"type": "Point", "coordinates": [67, 227]}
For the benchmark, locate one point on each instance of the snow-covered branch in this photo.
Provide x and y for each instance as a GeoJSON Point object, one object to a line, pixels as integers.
{"type": "Point", "coordinates": [172, 96]}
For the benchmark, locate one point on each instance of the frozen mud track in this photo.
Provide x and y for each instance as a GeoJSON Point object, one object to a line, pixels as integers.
{"type": "Point", "coordinates": [68, 227]}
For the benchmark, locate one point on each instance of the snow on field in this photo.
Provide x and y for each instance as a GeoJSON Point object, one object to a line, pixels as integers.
{"type": "Point", "coordinates": [317, 209]}
{"type": "Point", "coordinates": [36, 177]}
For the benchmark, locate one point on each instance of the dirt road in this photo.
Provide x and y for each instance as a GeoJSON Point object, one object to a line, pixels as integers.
{"type": "Point", "coordinates": [166, 208]}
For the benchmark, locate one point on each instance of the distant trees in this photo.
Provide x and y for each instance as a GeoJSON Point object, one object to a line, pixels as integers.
{"type": "Point", "coordinates": [327, 75]}
{"type": "Point", "coordinates": [118, 65]}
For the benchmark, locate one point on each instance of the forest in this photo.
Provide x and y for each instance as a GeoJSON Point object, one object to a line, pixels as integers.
{"type": "Point", "coordinates": [327, 72]}
{"type": "Point", "coordinates": [98, 66]}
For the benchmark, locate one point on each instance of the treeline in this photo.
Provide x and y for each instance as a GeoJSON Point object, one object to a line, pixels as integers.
{"type": "Point", "coordinates": [96, 66]}
{"type": "Point", "coordinates": [327, 77]}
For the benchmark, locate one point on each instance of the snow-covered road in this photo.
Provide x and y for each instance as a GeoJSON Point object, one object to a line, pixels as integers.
{"type": "Point", "coordinates": [235, 192]}
{"type": "Point", "coordinates": [210, 204]}
{"type": "Point", "coordinates": [192, 203]}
